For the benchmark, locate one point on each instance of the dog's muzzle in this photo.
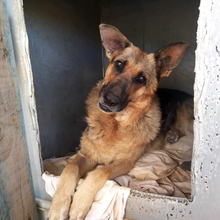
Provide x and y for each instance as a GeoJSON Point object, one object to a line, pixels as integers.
{"type": "Point", "coordinates": [112, 99]}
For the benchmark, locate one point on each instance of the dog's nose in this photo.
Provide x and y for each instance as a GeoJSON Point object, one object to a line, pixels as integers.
{"type": "Point", "coordinates": [111, 100]}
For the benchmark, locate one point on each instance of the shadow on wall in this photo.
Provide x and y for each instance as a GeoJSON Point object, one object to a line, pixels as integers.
{"type": "Point", "coordinates": [65, 53]}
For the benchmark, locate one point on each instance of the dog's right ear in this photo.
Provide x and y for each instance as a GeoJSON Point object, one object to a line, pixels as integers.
{"type": "Point", "coordinates": [112, 39]}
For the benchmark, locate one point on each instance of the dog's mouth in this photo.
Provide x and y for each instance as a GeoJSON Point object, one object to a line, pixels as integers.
{"type": "Point", "coordinates": [104, 108]}
{"type": "Point", "coordinates": [107, 109]}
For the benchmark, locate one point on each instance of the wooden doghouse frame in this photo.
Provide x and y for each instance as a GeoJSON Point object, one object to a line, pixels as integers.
{"type": "Point", "coordinates": [18, 123]}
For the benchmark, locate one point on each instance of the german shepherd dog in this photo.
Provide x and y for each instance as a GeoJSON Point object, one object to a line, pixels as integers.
{"type": "Point", "coordinates": [124, 120]}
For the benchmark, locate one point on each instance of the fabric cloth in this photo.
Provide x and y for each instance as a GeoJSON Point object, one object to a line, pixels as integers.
{"type": "Point", "coordinates": [157, 171]}
{"type": "Point", "coordinates": [109, 202]}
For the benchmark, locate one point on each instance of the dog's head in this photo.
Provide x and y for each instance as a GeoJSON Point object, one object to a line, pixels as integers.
{"type": "Point", "coordinates": [133, 75]}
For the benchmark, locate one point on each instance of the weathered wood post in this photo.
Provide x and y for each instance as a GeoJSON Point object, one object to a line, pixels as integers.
{"type": "Point", "coordinates": [16, 190]}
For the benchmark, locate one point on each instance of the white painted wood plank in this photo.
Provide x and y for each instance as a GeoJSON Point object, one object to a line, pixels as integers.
{"type": "Point", "coordinates": [26, 86]}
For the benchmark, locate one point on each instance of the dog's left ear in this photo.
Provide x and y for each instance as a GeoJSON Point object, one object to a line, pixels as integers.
{"type": "Point", "coordinates": [112, 39]}
{"type": "Point", "coordinates": [169, 57]}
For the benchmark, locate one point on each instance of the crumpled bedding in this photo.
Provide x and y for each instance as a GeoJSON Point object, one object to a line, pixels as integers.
{"type": "Point", "coordinates": [157, 171]}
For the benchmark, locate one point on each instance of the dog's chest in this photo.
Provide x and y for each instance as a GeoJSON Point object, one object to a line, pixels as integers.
{"type": "Point", "coordinates": [107, 145]}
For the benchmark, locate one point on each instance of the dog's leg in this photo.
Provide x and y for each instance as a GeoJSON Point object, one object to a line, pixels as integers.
{"type": "Point", "coordinates": [59, 209]}
{"type": "Point", "coordinates": [96, 179]}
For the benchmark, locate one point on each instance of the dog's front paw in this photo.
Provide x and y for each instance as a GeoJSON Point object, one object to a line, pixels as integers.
{"type": "Point", "coordinates": [60, 206]}
{"type": "Point", "coordinates": [172, 136]}
{"type": "Point", "coordinates": [78, 212]}
{"type": "Point", "coordinates": [77, 215]}
{"type": "Point", "coordinates": [80, 206]}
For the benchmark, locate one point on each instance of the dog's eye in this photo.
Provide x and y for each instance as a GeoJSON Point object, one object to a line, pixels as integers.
{"type": "Point", "coordinates": [119, 65]}
{"type": "Point", "coordinates": [140, 80]}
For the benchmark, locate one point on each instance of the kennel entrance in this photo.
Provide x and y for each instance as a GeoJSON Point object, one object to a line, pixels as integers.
{"type": "Point", "coordinates": [205, 164]}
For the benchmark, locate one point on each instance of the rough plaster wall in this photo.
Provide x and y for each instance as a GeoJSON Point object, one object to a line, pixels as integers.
{"type": "Point", "coordinates": [65, 53]}
{"type": "Point", "coordinates": [206, 163]}
{"type": "Point", "coordinates": [152, 25]}
{"type": "Point", "coordinates": [207, 109]}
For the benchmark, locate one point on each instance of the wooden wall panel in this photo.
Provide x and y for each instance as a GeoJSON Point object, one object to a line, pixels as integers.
{"type": "Point", "coordinates": [16, 193]}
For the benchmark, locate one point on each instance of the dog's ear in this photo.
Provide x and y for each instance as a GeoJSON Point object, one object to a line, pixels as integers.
{"type": "Point", "coordinates": [112, 39]}
{"type": "Point", "coordinates": [169, 57]}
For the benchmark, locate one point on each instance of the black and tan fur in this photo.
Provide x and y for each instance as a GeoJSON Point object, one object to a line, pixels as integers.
{"type": "Point", "coordinates": [124, 120]}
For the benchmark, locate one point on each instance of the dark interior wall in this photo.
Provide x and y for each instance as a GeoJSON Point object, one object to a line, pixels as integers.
{"type": "Point", "coordinates": [66, 57]}
{"type": "Point", "coordinates": [65, 51]}
{"type": "Point", "coordinates": [152, 24]}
